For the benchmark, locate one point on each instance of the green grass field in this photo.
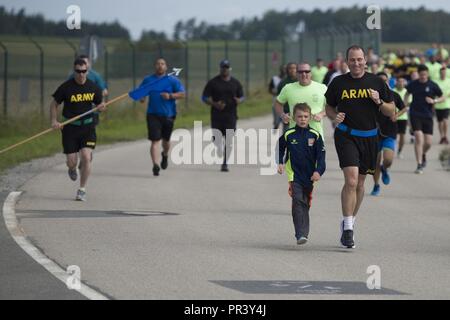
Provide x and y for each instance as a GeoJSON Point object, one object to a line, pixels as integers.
{"type": "Point", "coordinates": [117, 125]}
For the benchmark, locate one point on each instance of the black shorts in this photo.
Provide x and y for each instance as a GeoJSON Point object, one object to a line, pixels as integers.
{"type": "Point", "coordinates": [401, 126]}
{"type": "Point", "coordinates": [356, 152]}
{"type": "Point", "coordinates": [442, 115]}
{"type": "Point", "coordinates": [75, 138]}
{"type": "Point", "coordinates": [159, 127]}
{"type": "Point", "coordinates": [224, 123]}
{"type": "Point", "coordinates": [422, 124]}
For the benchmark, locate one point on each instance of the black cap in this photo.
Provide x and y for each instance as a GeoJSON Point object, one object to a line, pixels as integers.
{"type": "Point", "coordinates": [225, 64]}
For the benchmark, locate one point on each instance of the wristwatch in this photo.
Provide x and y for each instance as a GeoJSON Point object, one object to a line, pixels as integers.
{"type": "Point", "coordinates": [381, 103]}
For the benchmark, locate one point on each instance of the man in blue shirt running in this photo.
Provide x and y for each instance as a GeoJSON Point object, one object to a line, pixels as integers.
{"type": "Point", "coordinates": [161, 111]}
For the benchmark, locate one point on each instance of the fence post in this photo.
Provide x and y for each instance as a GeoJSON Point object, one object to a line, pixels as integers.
{"type": "Point", "coordinates": [208, 61]}
{"type": "Point", "coordinates": [300, 47]}
{"type": "Point", "coordinates": [106, 69]}
{"type": "Point", "coordinates": [247, 67]}
{"type": "Point", "coordinates": [316, 37]}
{"type": "Point", "coordinates": [41, 74]}
{"type": "Point", "coordinates": [75, 53]}
{"type": "Point", "coordinates": [186, 74]}
{"type": "Point", "coordinates": [133, 65]}
{"type": "Point", "coordinates": [283, 51]}
{"type": "Point", "coordinates": [5, 80]}
{"type": "Point", "coordinates": [266, 60]}
{"type": "Point", "coordinates": [226, 49]}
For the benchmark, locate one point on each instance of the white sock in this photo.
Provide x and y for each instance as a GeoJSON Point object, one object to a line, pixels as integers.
{"type": "Point", "coordinates": [354, 220]}
{"type": "Point", "coordinates": [348, 223]}
{"type": "Point", "coordinates": [82, 189]}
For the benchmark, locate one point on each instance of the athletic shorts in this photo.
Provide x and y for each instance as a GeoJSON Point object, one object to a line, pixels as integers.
{"type": "Point", "coordinates": [224, 123]}
{"type": "Point", "coordinates": [401, 125]}
{"type": "Point", "coordinates": [75, 138]}
{"type": "Point", "coordinates": [356, 152]}
{"type": "Point", "coordinates": [442, 115]}
{"type": "Point", "coordinates": [387, 143]}
{"type": "Point", "coordinates": [159, 127]}
{"type": "Point", "coordinates": [422, 124]}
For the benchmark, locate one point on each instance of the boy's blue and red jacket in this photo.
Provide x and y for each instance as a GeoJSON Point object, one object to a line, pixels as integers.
{"type": "Point", "coordinates": [305, 154]}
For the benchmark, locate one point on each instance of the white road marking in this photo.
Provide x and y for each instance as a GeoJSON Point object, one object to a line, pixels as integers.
{"type": "Point", "coordinates": [9, 215]}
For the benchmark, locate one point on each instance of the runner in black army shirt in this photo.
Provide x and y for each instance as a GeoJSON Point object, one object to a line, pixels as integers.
{"type": "Point", "coordinates": [79, 95]}
{"type": "Point", "coordinates": [353, 102]}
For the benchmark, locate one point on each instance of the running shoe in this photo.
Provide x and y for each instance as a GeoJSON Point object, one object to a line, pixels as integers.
{"type": "Point", "coordinates": [164, 161]}
{"type": "Point", "coordinates": [419, 169]}
{"type": "Point", "coordinates": [347, 239]}
{"type": "Point", "coordinates": [81, 195]}
{"type": "Point", "coordinates": [73, 175]}
{"type": "Point", "coordinates": [385, 177]}
{"type": "Point", "coordinates": [224, 168]}
{"type": "Point", "coordinates": [302, 241]}
{"type": "Point", "coordinates": [376, 190]}
{"type": "Point", "coordinates": [156, 170]}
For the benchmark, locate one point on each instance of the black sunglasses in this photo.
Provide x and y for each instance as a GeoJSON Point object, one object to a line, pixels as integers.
{"type": "Point", "coordinates": [80, 71]}
{"type": "Point", "coordinates": [303, 71]}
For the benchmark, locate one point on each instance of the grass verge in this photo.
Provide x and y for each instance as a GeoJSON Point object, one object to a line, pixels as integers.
{"type": "Point", "coordinates": [126, 124]}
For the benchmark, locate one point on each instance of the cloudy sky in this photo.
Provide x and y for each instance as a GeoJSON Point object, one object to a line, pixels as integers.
{"type": "Point", "coordinates": [137, 15]}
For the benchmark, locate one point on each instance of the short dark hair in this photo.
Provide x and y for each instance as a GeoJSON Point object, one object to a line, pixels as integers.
{"type": "Point", "coordinates": [83, 56]}
{"type": "Point", "coordinates": [354, 47]}
{"type": "Point", "coordinates": [422, 68]}
{"type": "Point", "coordinates": [302, 107]}
{"type": "Point", "coordinates": [79, 62]}
{"type": "Point", "coordinates": [379, 74]}
{"type": "Point", "coordinates": [157, 59]}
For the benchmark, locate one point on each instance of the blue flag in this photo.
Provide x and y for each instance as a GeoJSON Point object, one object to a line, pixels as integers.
{"type": "Point", "coordinates": [143, 91]}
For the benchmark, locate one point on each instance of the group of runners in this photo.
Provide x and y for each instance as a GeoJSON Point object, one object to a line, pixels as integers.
{"type": "Point", "coordinates": [369, 107]}
{"type": "Point", "coordinates": [366, 113]}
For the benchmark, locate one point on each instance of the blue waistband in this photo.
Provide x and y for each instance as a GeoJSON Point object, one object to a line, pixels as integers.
{"type": "Point", "coordinates": [358, 133]}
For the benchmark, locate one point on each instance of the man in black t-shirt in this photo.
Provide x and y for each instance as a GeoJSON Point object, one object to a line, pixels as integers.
{"type": "Point", "coordinates": [426, 94]}
{"type": "Point", "coordinates": [79, 95]}
{"type": "Point", "coordinates": [388, 140]}
{"type": "Point", "coordinates": [224, 93]}
{"type": "Point", "coordinates": [353, 102]}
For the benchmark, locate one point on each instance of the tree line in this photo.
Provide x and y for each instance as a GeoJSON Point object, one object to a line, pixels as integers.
{"type": "Point", "coordinates": [398, 25]}
{"type": "Point", "coordinates": [19, 23]}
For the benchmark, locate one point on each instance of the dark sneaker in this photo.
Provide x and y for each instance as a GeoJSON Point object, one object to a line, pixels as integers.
{"type": "Point", "coordinates": [164, 161]}
{"type": "Point", "coordinates": [419, 169]}
{"type": "Point", "coordinates": [302, 241]}
{"type": "Point", "coordinates": [385, 177]}
{"type": "Point", "coordinates": [376, 190]}
{"type": "Point", "coordinates": [424, 161]}
{"type": "Point", "coordinates": [73, 175]}
{"type": "Point", "coordinates": [347, 240]}
{"type": "Point", "coordinates": [156, 170]}
{"type": "Point", "coordinates": [224, 168]}
{"type": "Point", "coordinates": [81, 195]}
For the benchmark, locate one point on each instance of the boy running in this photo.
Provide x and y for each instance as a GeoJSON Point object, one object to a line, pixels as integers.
{"type": "Point", "coordinates": [304, 164]}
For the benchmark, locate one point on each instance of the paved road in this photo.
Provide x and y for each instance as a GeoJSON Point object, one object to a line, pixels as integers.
{"type": "Point", "coordinates": [230, 236]}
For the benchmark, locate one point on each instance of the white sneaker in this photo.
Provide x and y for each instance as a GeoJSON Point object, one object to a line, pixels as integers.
{"type": "Point", "coordinates": [302, 241]}
{"type": "Point", "coordinates": [81, 195]}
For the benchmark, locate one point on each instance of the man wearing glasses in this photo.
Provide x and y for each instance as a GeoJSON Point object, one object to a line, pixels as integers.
{"type": "Point", "coordinates": [304, 91]}
{"type": "Point", "coordinates": [79, 96]}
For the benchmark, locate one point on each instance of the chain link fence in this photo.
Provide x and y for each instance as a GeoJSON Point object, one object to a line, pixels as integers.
{"type": "Point", "coordinates": [31, 70]}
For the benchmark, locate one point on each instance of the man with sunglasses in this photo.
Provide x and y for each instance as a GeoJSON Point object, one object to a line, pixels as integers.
{"type": "Point", "coordinates": [304, 91]}
{"type": "Point", "coordinates": [79, 96]}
